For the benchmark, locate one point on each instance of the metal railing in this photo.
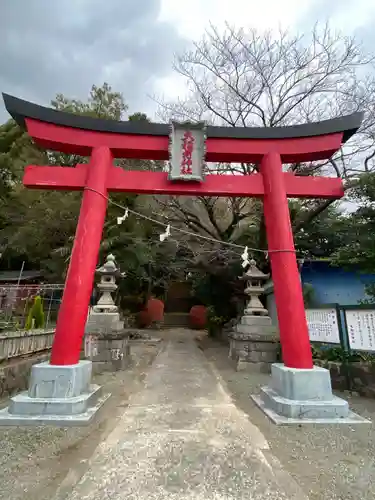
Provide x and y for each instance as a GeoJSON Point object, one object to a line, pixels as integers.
{"type": "Point", "coordinates": [17, 300]}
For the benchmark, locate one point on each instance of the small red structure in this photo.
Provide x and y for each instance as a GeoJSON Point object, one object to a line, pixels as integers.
{"type": "Point", "coordinates": [104, 140]}
{"type": "Point", "coordinates": [198, 317]}
{"type": "Point", "coordinates": [155, 308]}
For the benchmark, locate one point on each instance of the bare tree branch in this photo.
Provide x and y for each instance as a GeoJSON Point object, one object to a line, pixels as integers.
{"type": "Point", "coordinates": [239, 77]}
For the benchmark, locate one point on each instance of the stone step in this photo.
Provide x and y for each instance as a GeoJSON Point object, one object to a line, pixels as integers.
{"type": "Point", "coordinates": [176, 320]}
{"type": "Point", "coordinates": [78, 419]}
{"type": "Point", "coordinates": [256, 320]}
{"type": "Point", "coordinates": [310, 409]}
{"type": "Point", "coordinates": [256, 329]}
{"type": "Point", "coordinates": [23, 404]}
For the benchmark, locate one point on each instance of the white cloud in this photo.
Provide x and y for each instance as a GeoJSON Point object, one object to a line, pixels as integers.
{"type": "Point", "coordinates": [191, 19]}
{"type": "Point", "coordinates": [345, 15]}
{"type": "Point", "coordinates": [130, 44]}
{"type": "Point", "coordinates": [66, 46]}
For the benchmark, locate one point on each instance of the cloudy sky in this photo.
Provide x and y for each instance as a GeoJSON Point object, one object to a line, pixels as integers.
{"type": "Point", "coordinates": [51, 46]}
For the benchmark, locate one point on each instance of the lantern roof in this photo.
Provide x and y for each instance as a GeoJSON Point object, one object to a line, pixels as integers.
{"type": "Point", "coordinates": [254, 273]}
{"type": "Point", "coordinates": [109, 267]}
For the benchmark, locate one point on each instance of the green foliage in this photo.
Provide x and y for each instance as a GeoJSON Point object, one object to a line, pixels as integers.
{"type": "Point", "coordinates": [219, 288]}
{"type": "Point", "coordinates": [149, 265]}
{"type": "Point", "coordinates": [16, 151]}
{"type": "Point", "coordinates": [48, 245]}
{"type": "Point", "coordinates": [323, 235]}
{"type": "Point", "coordinates": [7, 324]}
{"type": "Point", "coordinates": [329, 353]}
{"type": "Point", "coordinates": [338, 354]}
{"type": "Point", "coordinates": [39, 226]}
{"type": "Point", "coordinates": [370, 292]}
{"type": "Point", "coordinates": [308, 294]}
{"type": "Point", "coordinates": [214, 322]}
{"type": "Point", "coordinates": [360, 227]}
{"type": "Point", "coordinates": [35, 318]}
{"type": "Point", "coordinates": [102, 102]}
{"type": "Point", "coordinates": [216, 285]}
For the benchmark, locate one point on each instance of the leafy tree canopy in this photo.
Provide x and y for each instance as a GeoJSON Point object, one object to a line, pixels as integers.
{"type": "Point", "coordinates": [39, 226]}
{"type": "Point", "coordinates": [360, 228]}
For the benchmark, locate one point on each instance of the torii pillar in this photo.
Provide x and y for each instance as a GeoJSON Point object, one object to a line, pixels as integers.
{"type": "Point", "coordinates": [298, 390]}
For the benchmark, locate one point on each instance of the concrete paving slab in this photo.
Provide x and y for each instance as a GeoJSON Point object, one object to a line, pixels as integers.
{"type": "Point", "coordinates": [183, 438]}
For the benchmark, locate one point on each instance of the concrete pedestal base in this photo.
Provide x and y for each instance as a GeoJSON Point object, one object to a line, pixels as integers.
{"type": "Point", "coordinates": [303, 396]}
{"type": "Point", "coordinates": [254, 344]}
{"type": "Point", "coordinates": [108, 351]}
{"type": "Point", "coordinates": [58, 395]}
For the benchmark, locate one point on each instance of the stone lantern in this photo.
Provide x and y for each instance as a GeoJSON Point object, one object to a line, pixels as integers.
{"type": "Point", "coordinates": [108, 273]}
{"type": "Point", "coordinates": [254, 287]}
{"type": "Point", "coordinates": [254, 342]}
{"type": "Point", "coordinates": [106, 342]}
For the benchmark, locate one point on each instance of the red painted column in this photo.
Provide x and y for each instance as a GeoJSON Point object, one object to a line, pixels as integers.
{"type": "Point", "coordinates": [294, 337]}
{"type": "Point", "coordinates": [79, 281]}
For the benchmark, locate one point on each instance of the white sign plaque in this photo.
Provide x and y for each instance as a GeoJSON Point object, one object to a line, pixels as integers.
{"type": "Point", "coordinates": [187, 150]}
{"type": "Point", "coordinates": [361, 329]}
{"type": "Point", "coordinates": [323, 325]}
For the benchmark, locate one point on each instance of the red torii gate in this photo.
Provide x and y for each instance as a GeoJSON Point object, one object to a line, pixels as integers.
{"type": "Point", "coordinates": [103, 140]}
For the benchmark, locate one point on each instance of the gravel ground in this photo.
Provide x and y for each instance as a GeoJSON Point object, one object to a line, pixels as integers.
{"type": "Point", "coordinates": [328, 462]}
{"type": "Point", "coordinates": [39, 462]}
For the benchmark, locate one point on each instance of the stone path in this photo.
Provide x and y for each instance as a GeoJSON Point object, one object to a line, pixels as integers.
{"type": "Point", "coordinates": [183, 438]}
{"type": "Point", "coordinates": [329, 462]}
